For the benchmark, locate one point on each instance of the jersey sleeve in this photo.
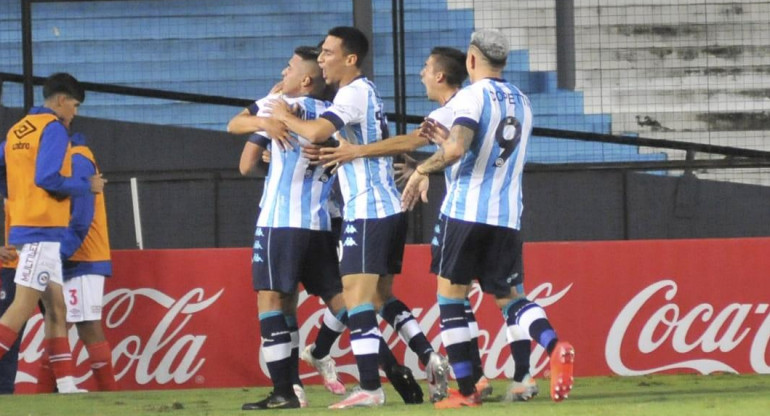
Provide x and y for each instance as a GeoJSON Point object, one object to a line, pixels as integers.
{"type": "Point", "coordinates": [466, 108]}
{"type": "Point", "coordinates": [443, 116]}
{"type": "Point", "coordinates": [259, 139]}
{"type": "Point", "coordinates": [53, 147]}
{"type": "Point", "coordinates": [348, 107]}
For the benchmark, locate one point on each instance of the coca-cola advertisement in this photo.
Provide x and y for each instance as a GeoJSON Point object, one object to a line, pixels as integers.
{"type": "Point", "coordinates": [188, 318]}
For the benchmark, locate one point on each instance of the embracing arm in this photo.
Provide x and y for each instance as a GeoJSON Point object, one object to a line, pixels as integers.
{"type": "Point", "coordinates": [459, 141]}
{"type": "Point", "coordinates": [245, 122]}
{"type": "Point", "coordinates": [346, 152]}
{"type": "Point", "coordinates": [317, 131]}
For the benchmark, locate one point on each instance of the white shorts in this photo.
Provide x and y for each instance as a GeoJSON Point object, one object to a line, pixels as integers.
{"type": "Point", "coordinates": [39, 263]}
{"type": "Point", "coordinates": [83, 296]}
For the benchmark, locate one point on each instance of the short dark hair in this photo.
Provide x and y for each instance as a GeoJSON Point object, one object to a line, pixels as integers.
{"type": "Point", "coordinates": [63, 83]}
{"type": "Point", "coordinates": [451, 62]}
{"type": "Point", "coordinates": [353, 41]}
{"type": "Point", "coordinates": [307, 53]}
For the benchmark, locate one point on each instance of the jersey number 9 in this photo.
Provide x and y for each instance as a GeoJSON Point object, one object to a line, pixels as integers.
{"type": "Point", "coordinates": [508, 136]}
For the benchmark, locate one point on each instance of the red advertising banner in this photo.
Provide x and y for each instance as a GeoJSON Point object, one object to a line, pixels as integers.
{"type": "Point", "coordinates": [188, 318]}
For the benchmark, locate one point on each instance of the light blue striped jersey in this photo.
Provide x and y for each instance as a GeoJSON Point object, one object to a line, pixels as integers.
{"type": "Point", "coordinates": [295, 195]}
{"type": "Point", "coordinates": [485, 185]}
{"type": "Point", "coordinates": [367, 184]}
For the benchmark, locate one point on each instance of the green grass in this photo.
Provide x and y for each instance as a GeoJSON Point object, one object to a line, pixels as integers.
{"type": "Point", "coordinates": [592, 396]}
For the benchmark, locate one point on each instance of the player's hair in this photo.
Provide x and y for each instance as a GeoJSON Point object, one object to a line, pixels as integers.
{"type": "Point", "coordinates": [451, 62]}
{"type": "Point", "coordinates": [354, 42]}
{"type": "Point", "coordinates": [307, 53]}
{"type": "Point", "coordinates": [63, 83]}
{"type": "Point", "coordinates": [493, 45]}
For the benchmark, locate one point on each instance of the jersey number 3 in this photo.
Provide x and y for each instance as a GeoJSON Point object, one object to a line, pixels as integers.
{"type": "Point", "coordinates": [508, 136]}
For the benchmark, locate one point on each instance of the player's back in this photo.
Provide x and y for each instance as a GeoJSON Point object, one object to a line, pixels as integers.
{"type": "Point", "coordinates": [295, 193]}
{"type": "Point", "coordinates": [485, 185]}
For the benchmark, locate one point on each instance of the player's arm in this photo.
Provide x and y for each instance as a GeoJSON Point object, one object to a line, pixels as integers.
{"type": "Point", "coordinates": [247, 122]}
{"type": "Point", "coordinates": [317, 131]}
{"type": "Point", "coordinates": [346, 151]}
{"type": "Point", "coordinates": [81, 209]}
{"type": "Point", "coordinates": [459, 141]}
{"type": "Point", "coordinates": [53, 148]}
{"type": "Point", "coordinates": [251, 155]}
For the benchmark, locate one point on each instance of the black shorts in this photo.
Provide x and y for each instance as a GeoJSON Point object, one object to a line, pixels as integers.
{"type": "Point", "coordinates": [284, 257]}
{"type": "Point", "coordinates": [463, 251]}
{"type": "Point", "coordinates": [373, 246]}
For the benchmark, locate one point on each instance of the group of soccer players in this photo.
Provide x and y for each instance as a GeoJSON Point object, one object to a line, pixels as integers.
{"type": "Point", "coordinates": [481, 131]}
{"type": "Point", "coordinates": [56, 248]}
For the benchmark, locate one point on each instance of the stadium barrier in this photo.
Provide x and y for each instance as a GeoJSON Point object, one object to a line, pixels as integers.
{"type": "Point", "coordinates": [188, 318]}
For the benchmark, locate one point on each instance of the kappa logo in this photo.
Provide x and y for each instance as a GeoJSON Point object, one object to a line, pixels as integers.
{"type": "Point", "coordinates": [257, 245]}
{"type": "Point", "coordinates": [259, 233]}
{"type": "Point", "coordinates": [511, 277]}
{"type": "Point", "coordinates": [434, 242]}
{"type": "Point", "coordinates": [349, 242]}
{"type": "Point", "coordinates": [350, 229]}
{"type": "Point", "coordinates": [437, 229]}
{"type": "Point", "coordinates": [3, 295]}
{"type": "Point", "coordinates": [257, 259]}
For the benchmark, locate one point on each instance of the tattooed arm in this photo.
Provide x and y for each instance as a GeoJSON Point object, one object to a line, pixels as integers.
{"type": "Point", "coordinates": [460, 138]}
{"type": "Point", "coordinates": [459, 141]}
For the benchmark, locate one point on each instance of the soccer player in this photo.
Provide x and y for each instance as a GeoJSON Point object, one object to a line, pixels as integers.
{"type": "Point", "coordinates": [9, 364]}
{"type": "Point", "coordinates": [293, 241]}
{"type": "Point", "coordinates": [37, 161]}
{"type": "Point", "coordinates": [374, 229]}
{"type": "Point", "coordinates": [481, 217]}
{"type": "Point", "coordinates": [86, 250]}
{"type": "Point", "coordinates": [442, 75]}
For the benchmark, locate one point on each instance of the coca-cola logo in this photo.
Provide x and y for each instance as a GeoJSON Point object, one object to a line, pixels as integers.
{"type": "Point", "coordinates": [170, 353]}
{"type": "Point", "coordinates": [671, 326]}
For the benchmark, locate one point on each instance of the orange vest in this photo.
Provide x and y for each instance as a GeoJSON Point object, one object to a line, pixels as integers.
{"type": "Point", "coordinates": [96, 245]}
{"type": "Point", "coordinates": [30, 205]}
{"type": "Point", "coordinates": [8, 264]}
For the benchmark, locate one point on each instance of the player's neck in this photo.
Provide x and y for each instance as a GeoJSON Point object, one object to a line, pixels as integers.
{"type": "Point", "coordinates": [483, 73]}
{"type": "Point", "coordinates": [446, 95]}
{"type": "Point", "coordinates": [349, 77]}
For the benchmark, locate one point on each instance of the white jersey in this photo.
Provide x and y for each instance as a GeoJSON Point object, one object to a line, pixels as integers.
{"type": "Point", "coordinates": [444, 116]}
{"type": "Point", "coordinates": [367, 184]}
{"type": "Point", "coordinates": [296, 194]}
{"type": "Point", "coordinates": [485, 185]}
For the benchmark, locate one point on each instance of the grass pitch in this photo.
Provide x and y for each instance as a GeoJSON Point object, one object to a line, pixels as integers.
{"type": "Point", "coordinates": [660, 395]}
